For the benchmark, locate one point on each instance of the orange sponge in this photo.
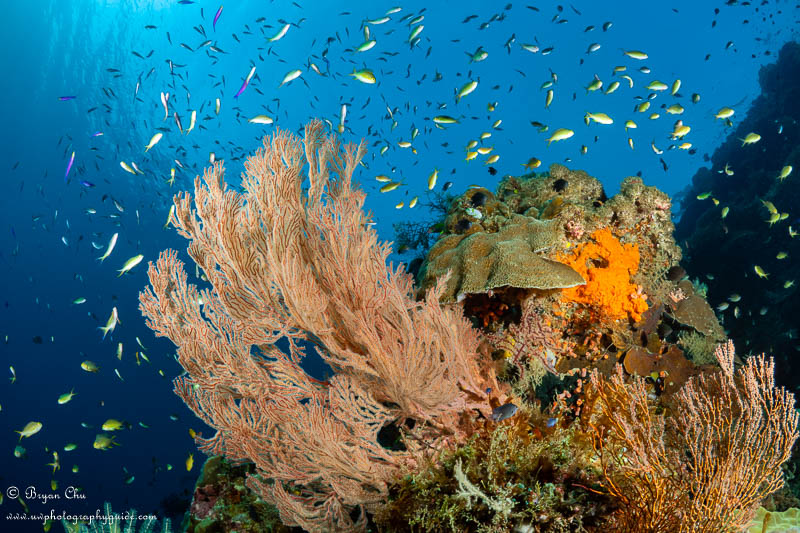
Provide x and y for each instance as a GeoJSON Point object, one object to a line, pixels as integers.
{"type": "Point", "coordinates": [607, 266]}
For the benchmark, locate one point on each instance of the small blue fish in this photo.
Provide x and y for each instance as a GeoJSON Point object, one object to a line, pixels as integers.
{"type": "Point", "coordinates": [551, 422]}
{"type": "Point", "coordinates": [65, 98]}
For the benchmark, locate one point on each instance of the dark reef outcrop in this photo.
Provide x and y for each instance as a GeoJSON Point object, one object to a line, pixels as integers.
{"type": "Point", "coordinates": [754, 222]}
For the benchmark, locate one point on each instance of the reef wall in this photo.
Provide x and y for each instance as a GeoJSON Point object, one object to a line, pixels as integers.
{"type": "Point", "coordinates": [740, 239]}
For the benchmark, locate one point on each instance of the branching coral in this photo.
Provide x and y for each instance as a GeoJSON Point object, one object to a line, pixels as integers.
{"type": "Point", "coordinates": [607, 266]}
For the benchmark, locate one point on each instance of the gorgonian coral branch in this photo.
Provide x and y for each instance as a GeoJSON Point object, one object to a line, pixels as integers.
{"type": "Point", "coordinates": [304, 266]}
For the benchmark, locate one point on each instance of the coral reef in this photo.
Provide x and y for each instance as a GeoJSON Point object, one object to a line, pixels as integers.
{"type": "Point", "coordinates": [541, 233]}
{"type": "Point", "coordinates": [222, 502]}
{"type": "Point", "coordinates": [636, 308]}
{"type": "Point", "coordinates": [524, 474]}
{"type": "Point", "coordinates": [534, 217]}
{"type": "Point", "coordinates": [599, 421]}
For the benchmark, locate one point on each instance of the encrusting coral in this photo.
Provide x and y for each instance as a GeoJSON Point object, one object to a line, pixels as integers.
{"type": "Point", "coordinates": [510, 257]}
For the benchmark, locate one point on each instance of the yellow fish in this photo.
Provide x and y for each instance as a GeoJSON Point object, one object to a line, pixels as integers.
{"type": "Point", "coordinates": [445, 119]}
{"type": "Point", "coordinates": [129, 264]}
{"type": "Point", "coordinates": [630, 80]}
{"type": "Point", "coordinates": [66, 397]}
{"type": "Point", "coordinates": [103, 442]}
{"type": "Point", "coordinates": [751, 138]}
{"type": "Point", "coordinates": [600, 118]}
{"type": "Point", "coordinates": [113, 319]}
{"type": "Point", "coordinates": [30, 429]}
{"type": "Point", "coordinates": [680, 131]}
{"type": "Point", "coordinates": [656, 85]}
{"type": "Point", "coordinates": [613, 86]}
{"type": "Point", "coordinates": [466, 89]}
{"type": "Point", "coordinates": [560, 134]}
{"type": "Point", "coordinates": [90, 366]}
{"type": "Point", "coordinates": [290, 76]}
{"type": "Point", "coordinates": [596, 85]}
{"type": "Point", "coordinates": [260, 119]}
{"type": "Point", "coordinates": [390, 186]}
{"type": "Point", "coordinates": [364, 76]}
{"type": "Point", "coordinates": [725, 112]}
{"type": "Point", "coordinates": [112, 425]}
{"type": "Point", "coordinates": [56, 464]}
{"type": "Point", "coordinates": [432, 179]}
{"type": "Point", "coordinates": [532, 163]}
{"type": "Point", "coordinates": [635, 54]}
{"type": "Point", "coordinates": [126, 167]}
{"type": "Point", "coordinates": [192, 122]}
{"type": "Point", "coordinates": [153, 141]}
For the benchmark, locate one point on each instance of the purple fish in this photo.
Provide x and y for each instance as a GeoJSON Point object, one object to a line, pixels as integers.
{"type": "Point", "coordinates": [246, 82]}
{"type": "Point", "coordinates": [216, 17]}
{"type": "Point", "coordinates": [97, 134]}
{"type": "Point", "coordinates": [69, 166]}
{"type": "Point", "coordinates": [87, 184]}
{"type": "Point", "coordinates": [65, 98]}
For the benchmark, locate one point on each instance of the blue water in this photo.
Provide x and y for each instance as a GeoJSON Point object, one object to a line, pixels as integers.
{"type": "Point", "coordinates": [57, 48]}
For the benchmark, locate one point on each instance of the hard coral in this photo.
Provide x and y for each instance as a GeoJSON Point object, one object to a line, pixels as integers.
{"type": "Point", "coordinates": [509, 257]}
{"type": "Point", "coordinates": [607, 266]}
